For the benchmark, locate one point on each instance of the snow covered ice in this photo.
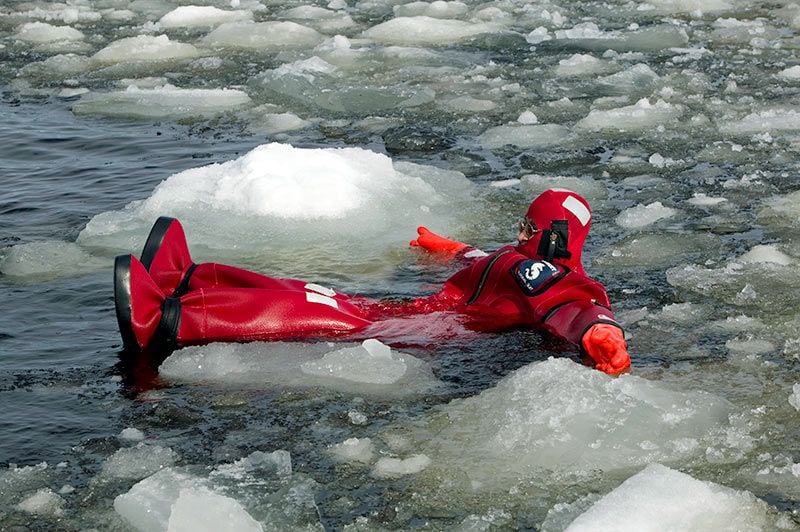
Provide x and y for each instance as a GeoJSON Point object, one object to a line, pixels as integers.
{"type": "Point", "coordinates": [275, 197]}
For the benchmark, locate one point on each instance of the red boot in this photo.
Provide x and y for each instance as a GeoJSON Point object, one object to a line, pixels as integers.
{"type": "Point", "coordinates": [166, 255]}
{"type": "Point", "coordinates": [138, 302]}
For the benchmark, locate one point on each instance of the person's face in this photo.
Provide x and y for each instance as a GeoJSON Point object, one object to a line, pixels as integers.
{"type": "Point", "coordinates": [527, 229]}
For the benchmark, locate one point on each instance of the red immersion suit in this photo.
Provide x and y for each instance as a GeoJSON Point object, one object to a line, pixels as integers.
{"type": "Point", "coordinates": [167, 301]}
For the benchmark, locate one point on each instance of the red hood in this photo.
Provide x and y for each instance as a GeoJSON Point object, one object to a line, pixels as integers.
{"type": "Point", "coordinates": [559, 204]}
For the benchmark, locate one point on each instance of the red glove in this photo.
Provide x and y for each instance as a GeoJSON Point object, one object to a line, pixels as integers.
{"type": "Point", "coordinates": [435, 243]}
{"type": "Point", "coordinates": [605, 345]}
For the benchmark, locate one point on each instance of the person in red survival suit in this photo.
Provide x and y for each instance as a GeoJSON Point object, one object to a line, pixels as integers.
{"type": "Point", "coordinates": [166, 300]}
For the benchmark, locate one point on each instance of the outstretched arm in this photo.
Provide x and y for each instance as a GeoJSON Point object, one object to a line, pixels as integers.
{"type": "Point", "coordinates": [433, 243]}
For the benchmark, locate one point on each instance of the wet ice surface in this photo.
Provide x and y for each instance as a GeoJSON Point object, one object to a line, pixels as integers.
{"type": "Point", "coordinates": [310, 140]}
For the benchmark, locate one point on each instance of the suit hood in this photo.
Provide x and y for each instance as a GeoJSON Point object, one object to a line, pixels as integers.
{"type": "Point", "coordinates": [563, 218]}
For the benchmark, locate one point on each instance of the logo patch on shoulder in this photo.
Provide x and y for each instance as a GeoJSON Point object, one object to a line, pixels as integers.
{"type": "Point", "coordinates": [533, 275]}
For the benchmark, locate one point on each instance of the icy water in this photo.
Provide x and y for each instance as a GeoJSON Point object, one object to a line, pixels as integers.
{"type": "Point", "coordinates": [310, 141]}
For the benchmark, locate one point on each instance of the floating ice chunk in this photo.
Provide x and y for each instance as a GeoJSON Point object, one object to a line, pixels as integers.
{"type": "Point", "coordinates": [766, 253]}
{"type": "Point", "coordinates": [426, 31]}
{"type": "Point", "coordinates": [201, 16]}
{"type": "Point", "coordinates": [785, 207]}
{"type": "Point", "coordinates": [148, 504]}
{"type": "Point", "coordinates": [276, 196]}
{"type": "Point", "coordinates": [58, 67]}
{"type": "Point", "coordinates": [524, 136]}
{"type": "Point", "coordinates": [581, 65]}
{"type": "Point", "coordinates": [702, 200]}
{"type": "Point", "coordinates": [469, 104]}
{"type": "Point", "coordinates": [200, 509]}
{"type": "Point", "coordinates": [41, 32]}
{"type": "Point", "coordinates": [277, 463]}
{"type": "Point", "coordinates": [274, 123]}
{"type": "Point", "coordinates": [15, 480]}
{"type": "Point", "coordinates": [561, 417]}
{"type": "Point", "coordinates": [44, 502]}
{"type": "Point", "coordinates": [162, 102]}
{"type": "Point", "coordinates": [651, 38]}
{"type": "Point", "coordinates": [791, 73]}
{"type": "Point", "coordinates": [659, 498]}
{"type": "Point", "coordinates": [435, 9]}
{"type": "Point", "coordinates": [306, 68]}
{"type": "Point", "coordinates": [584, 30]}
{"type": "Point", "coordinates": [693, 7]}
{"type": "Point", "coordinates": [357, 418]}
{"type": "Point", "coordinates": [640, 116]}
{"type": "Point", "coordinates": [492, 520]}
{"type": "Point", "coordinates": [145, 48]}
{"type": "Point", "coordinates": [753, 32]}
{"type": "Point", "coordinates": [353, 450]}
{"type": "Point", "coordinates": [72, 93]}
{"type": "Point", "coordinates": [528, 118]}
{"type": "Point", "coordinates": [139, 461]}
{"type": "Point", "coordinates": [658, 250]}
{"type": "Point", "coordinates": [794, 399]}
{"type": "Point", "coordinates": [267, 36]}
{"type": "Point", "coordinates": [131, 434]}
{"type": "Point", "coordinates": [750, 346]}
{"type": "Point", "coordinates": [659, 161]}
{"type": "Point", "coordinates": [682, 313]}
{"type": "Point", "coordinates": [643, 215]}
{"type": "Point", "coordinates": [738, 324]}
{"type": "Point", "coordinates": [321, 19]}
{"type": "Point", "coordinates": [395, 467]}
{"type": "Point", "coordinates": [352, 369]}
{"type": "Point", "coordinates": [372, 362]}
{"type": "Point", "coordinates": [538, 35]}
{"type": "Point", "coordinates": [66, 12]}
{"type": "Point", "coordinates": [637, 78]}
{"type": "Point", "coordinates": [769, 120]}
{"type": "Point", "coordinates": [47, 260]}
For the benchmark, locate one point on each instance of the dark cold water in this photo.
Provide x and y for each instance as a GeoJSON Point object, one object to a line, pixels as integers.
{"type": "Point", "coordinates": [680, 121]}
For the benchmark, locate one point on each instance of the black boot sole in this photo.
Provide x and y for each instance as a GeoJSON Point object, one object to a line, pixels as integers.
{"type": "Point", "coordinates": [122, 300]}
{"type": "Point", "coordinates": [154, 240]}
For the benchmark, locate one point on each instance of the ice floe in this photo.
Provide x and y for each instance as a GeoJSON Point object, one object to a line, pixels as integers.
{"type": "Point", "coordinates": [370, 367]}
{"type": "Point", "coordinates": [426, 31]}
{"type": "Point", "coordinates": [524, 136]}
{"type": "Point", "coordinates": [660, 498]}
{"type": "Point", "coordinates": [641, 216]}
{"type": "Point", "coordinates": [640, 116]}
{"type": "Point", "coordinates": [557, 419]}
{"type": "Point", "coordinates": [265, 36]}
{"type": "Point", "coordinates": [194, 498]}
{"type": "Point", "coordinates": [201, 16]}
{"type": "Point", "coordinates": [281, 198]}
{"type": "Point", "coordinates": [166, 101]}
{"type": "Point", "coordinates": [145, 48]}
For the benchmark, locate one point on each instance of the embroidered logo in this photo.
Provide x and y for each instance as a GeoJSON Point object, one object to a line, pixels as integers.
{"type": "Point", "coordinates": [532, 275]}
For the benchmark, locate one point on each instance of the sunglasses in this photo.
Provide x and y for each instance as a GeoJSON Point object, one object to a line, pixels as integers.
{"type": "Point", "coordinates": [527, 227]}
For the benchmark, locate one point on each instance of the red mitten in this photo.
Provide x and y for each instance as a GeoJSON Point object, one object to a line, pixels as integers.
{"type": "Point", "coordinates": [434, 243]}
{"type": "Point", "coordinates": [605, 345]}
